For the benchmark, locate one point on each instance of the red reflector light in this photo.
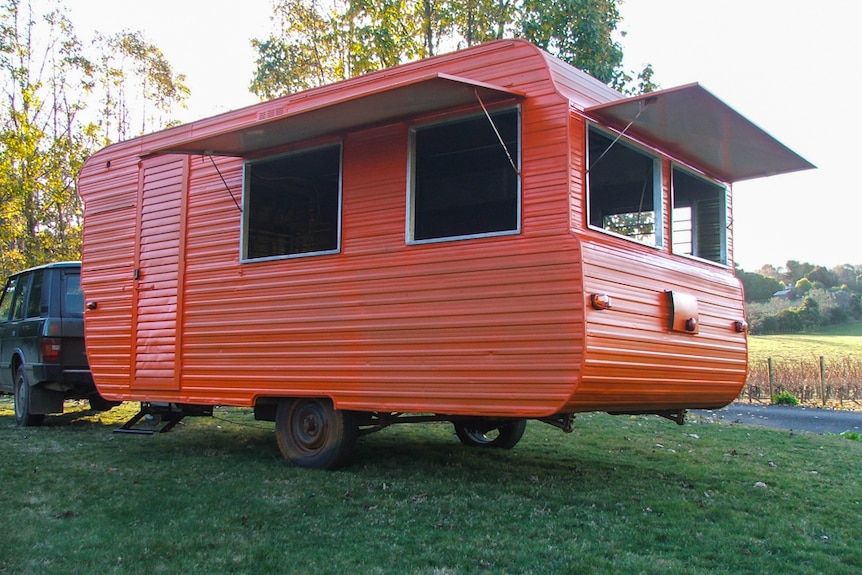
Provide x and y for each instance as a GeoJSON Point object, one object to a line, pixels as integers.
{"type": "Point", "coordinates": [600, 301]}
{"type": "Point", "coordinates": [50, 350]}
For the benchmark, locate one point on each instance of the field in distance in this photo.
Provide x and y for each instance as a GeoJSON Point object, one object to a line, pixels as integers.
{"type": "Point", "coordinates": [834, 342]}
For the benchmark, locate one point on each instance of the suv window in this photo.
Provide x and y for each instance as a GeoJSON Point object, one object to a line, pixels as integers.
{"type": "Point", "coordinates": [19, 303]}
{"type": "Point", "coordinates": [35, 307]}
{"type": "Point", "coordinates": [73, 298]}
{"type": "Point", "coordinates": [7, 298]}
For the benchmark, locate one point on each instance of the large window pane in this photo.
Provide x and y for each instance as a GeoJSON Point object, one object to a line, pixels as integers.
{"type": "Point", "coordinates": [624, 194]}
{"type": "Point", "coordinates": [292, 204]}
{"type": "Point", "coordinates": [464, 182]}
{"type": "Point", "coordinates": [699, 217]}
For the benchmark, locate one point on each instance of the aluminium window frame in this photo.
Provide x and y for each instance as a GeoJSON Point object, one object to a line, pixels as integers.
{"type": "Point", "coordinates": [246, 198]}
{"type": "Point", "coordinates": [516, 156]}
{"type": "Point", "coordinates": [658, 203]}
{"type": "Point", "coordinates": [723, 219]}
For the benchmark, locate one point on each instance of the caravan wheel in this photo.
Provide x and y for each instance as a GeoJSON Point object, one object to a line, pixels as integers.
{"type": "Point", "coordinates": [311, 433]}
{"type": "Point", "coordinates": [481, 433]}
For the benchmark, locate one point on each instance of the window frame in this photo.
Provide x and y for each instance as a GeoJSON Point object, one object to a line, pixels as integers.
{"type": "Point", "coordinates": [658, 204]}
{"type": "Point", "coordinates": [21, 301]}
{"type": "Point", "coordinates": [246, 199]}
{"type": "Point", "coordinates": [7, 298]}
{"type": "Point", "coordinates": [516, 155]}
{"type": "Point", "coordinates": [723, 216]}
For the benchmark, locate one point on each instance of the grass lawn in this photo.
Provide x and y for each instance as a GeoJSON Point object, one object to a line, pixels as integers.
{"type": "Point", "coordinates": [833, 343]}
{"type": "Point", "coordinates": [797, 369]}
{"type": "Point", "coordinates": [621, 495]}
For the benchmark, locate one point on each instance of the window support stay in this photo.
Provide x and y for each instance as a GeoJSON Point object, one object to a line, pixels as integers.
{"type": "Point", "coordinates": [642, 106]}
{"type": "Point", "coordinates": [499, 137]}
{"type": "Point", "coordinates": [227, 187]}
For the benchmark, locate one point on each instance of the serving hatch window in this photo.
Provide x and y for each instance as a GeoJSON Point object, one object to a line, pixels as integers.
{"type": "Point", "coordinates": [292, 204]}
{"type": "Point", "coordinates": [699, 224]}
{"type": "Point", "coordinates": [464, 178]}
{"type": "Point", "coordinates": [624, 189]}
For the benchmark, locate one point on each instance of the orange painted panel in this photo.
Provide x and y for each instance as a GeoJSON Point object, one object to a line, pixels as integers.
{"type": "Point", "coordinates": [484, 326]}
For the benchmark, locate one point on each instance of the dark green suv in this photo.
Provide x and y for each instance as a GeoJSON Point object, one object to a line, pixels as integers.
{"type": "Point", "coordinates": [42, 357]}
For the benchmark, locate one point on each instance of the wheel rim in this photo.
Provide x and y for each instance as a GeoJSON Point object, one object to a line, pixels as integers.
{"type": "Point", "coordinates": [478, 436]}
{"type": "Point", "coordinates": [308, 427]}
{"type": "Point", "coordinates": [19, 397]}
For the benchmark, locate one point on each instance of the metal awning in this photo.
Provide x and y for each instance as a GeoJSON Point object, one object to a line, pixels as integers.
{"type": "Point", "coordinates": [341, 109]}
{"type": "Point", "coordinates": [691, 124]}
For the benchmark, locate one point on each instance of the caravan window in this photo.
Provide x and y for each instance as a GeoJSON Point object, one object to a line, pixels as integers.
{"type": "Point", "coordinates": [463, 182]}
{"type": "Point", "coordinates": [292, 204]}
{"type": "Point", "coordinates": [624, 189]}
{"type": "Point", "coordinates": [699, 217]}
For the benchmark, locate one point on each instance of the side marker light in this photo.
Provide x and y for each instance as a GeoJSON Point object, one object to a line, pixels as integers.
{"type": "Point", "coordinates": [600, 301]}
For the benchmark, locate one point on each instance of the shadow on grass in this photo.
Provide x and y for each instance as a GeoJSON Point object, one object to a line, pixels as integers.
{"type": "Point", "coordinates": [544, 457]}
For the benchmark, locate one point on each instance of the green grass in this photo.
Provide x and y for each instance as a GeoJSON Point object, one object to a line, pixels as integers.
{"type": "Point", "coordinates": [833, 343]}
{"type": "Point", "coordinates": [621, 495]}
{"type": "Point", "coordinates": [797, 368]}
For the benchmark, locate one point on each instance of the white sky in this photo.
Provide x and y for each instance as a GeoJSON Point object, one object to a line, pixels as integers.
{"type": "Point", "coordinates": [787, 65]}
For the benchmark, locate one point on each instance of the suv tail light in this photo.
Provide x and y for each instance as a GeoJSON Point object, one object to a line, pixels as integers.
{"type": "Point", "coordinates": [51, 349]}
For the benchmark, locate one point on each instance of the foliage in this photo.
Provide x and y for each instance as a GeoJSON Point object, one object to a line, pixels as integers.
{"type": "Point", "coordinates": [316, 42]}
{"type": "Point", "coordinates": [758, 287]}
{"type": "Point", "coordinates": [795, 271]}
{"type": "Point", "coordinates": [819, 308]}
{"type": "Point", "coordinates": [134, 73]}
{"type": "Point", "coordinates": [803, 285]}
{"type": "Point", "coordinates": [785, 398]}
{"type": "Point", "coordinates": [48, 82]}
{"type": "Point", "coordinates": [40, 147]}
{"type": "Point", "coordinates": [620, 495]}
{"type": "Point", "coordinates": [831, 297]}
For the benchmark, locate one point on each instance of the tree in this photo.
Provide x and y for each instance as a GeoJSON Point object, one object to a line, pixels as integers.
{"type": "Point", "coordinates": [41, 149]}
{"type": "Point", "coordinates": [803, 285]}
{"type": "Point", "coordinates": [823, 276]}
{"type": "Point", "coordinates": [577, 31]}
{"type": "Point", "coordinates": [758, 287]}
{"type": "Point", "coordinates": [317, 42]}
{"type": "Point", "coordinates": [770, 271]}
{"type": "Point", "coordinates": [48, 84]}
{"type": "Point", "coordinates": [847, 275]}
{"type": "Point", "coordinates": [138, 86]}
{"type": "Point", "coordinates": [795, 271]}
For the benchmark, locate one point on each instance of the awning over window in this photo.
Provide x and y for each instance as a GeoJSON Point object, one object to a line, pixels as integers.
{"type": "Point", "coordinates": [691, 124]}
{"type": "Point", "coordinates": [334, 111]}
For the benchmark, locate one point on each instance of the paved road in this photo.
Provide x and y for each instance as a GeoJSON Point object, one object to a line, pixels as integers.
{"type": "Point", "coordinates": [784, 417]}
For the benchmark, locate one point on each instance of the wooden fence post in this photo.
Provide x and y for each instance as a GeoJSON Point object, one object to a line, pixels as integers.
{"type": "Point", "coordinates": [823, 380]}
{"type": "Point", "coordinates": [769, 369]}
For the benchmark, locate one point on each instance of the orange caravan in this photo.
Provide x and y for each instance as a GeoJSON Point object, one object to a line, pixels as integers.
{"type": "Point", "coordinates": [483, 237]}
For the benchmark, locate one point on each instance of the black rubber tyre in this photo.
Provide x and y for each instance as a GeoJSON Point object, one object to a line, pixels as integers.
{"type": "Point", "coordinates": [481, 433]}
{"type": "Point", "coordinates": [311, 433]}
{"type": "Point", "coordinates": [23, 417]}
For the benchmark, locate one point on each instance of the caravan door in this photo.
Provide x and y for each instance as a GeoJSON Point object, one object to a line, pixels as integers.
{"type": "Point", "coordinates": [159, 268]}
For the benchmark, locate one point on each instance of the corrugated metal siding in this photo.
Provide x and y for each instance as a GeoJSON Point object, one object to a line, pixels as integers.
{"type": "Point", "coordinates": [160, 264]}
{"type": "Point", "coordinates": [110, 195]}
{"type": "Point", "coordinates": [491, 326]}
{"type": "Point", "coordinates": [488, 325]}
{"type": "Point", "coordinates": [632, 360]}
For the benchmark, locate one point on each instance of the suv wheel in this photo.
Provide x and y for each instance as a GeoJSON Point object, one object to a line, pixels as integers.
{"type": "Point", "coordinates": [23, 417]}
